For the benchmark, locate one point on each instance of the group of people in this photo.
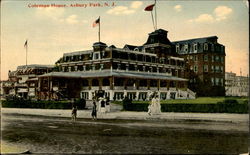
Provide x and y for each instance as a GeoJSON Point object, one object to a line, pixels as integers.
{"type": "Point", "coordinates": [100, 105]}
{"type": "Point", "coordinates": [103, 107]}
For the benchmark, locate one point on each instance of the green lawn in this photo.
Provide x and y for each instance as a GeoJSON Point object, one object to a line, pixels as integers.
{"type": "Point", "coordinates": [199, 100]}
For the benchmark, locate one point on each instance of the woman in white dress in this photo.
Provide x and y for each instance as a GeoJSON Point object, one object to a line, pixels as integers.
{"type": "Point", "coordinates": [155, 106]}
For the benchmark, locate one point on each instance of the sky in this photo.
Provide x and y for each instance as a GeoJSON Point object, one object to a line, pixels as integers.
{"type": "Point", "coordinates": [52, 31]}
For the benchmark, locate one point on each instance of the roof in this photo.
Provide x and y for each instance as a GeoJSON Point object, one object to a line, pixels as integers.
{"type": "Point", "coordinates": [116, 73]}
{"type": "Point", "coordinates": [100, 44]}
{"type": "Point", "coordinates": [34, 66]}
{"type": "Point", "coordinates": [158, 36]}
{"type": "Point", "coordinates": [77, 53]}
{"type": "Point", "coordinates": [200, 40]}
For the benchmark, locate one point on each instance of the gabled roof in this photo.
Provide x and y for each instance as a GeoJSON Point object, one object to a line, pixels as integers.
{"type": "Point", "coordinates": [129, 47]}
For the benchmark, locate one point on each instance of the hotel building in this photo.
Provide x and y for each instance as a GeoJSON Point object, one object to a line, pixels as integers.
{"type": "Point", "coordinates": [132, 71]}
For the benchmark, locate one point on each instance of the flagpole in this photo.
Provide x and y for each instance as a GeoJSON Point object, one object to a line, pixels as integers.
{"type": "Point", "coordinates": [26, 51]}
{"type": "Point", "coordinates": [99, 33]}
{"type": "Point", "coordinates": [155, 17]}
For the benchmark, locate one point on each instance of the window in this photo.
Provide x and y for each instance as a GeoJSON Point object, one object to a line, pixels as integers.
{"type": "Point", "coordinates": [205, 68]}
{"type": "Point", "coordinates": [212, 81]}
{"type": "Point", "coordinates": [212, 68]}
{"type": "Point", "coordinates": [191, 57]}
{"type": "Point", "coordinates": [196, 68]}
{"type": "Point", "coordinates": [101, 66]}
{"type": "Point", "coordinates": [221, 81]}
{"type": "Point", "coordinates": [195, 58]}
{"type": "Point", "coordinates": [96, 56]}
{"type": "Point", "coordinates": [212, 58]}
{"type": "Point", "coordinates": [217, 81]}
{"type": "Point", "coordinates": [217, 69]}
{"type": "Point", "coordinates": [221, 69]}
{"type": "Point", "coordinates": [195, 47]}
{"type": "Point", "coordinates": [222, 59]}
{"type": "Point", "coordinates": [177, 48]}
{"type": "Point", "coordinates": [222, 48]}
{"type": "Point", "coordinates": [205, 57]}
{"type": "Point", "coordinates": [212, 47]}
{"type": "Point", "coordinates": [186, 48]}
{"type": "Point", "coordinates": [217, 58]}
{"type": "Point", "coordinates": [205, 47]}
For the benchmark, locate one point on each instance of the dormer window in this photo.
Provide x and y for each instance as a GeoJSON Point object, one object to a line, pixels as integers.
{"type": "Point", "coordinates": [177, 48]}
{"type": "Point", "coordinates": [212, 47]}
{"type": "Point", "coordinates": [205, 47]}
{"type": "Point", "coordinates": [186, 48]}
{"type": "Point", "coordinates": [96, 56]}
{"type": "Point", "coordinates": [195, 47]}
{"type": "Point", "coordinates": [136, 49]}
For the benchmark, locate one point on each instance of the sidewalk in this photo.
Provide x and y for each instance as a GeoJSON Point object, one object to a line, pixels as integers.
{"type": "Point", "coordinates": [217, 117]}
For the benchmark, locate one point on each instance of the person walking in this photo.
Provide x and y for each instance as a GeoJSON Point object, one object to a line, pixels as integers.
{"type": "Point", "coordinates": [93, 114]}
{"type": "Point", "coordinates": [74, 113]}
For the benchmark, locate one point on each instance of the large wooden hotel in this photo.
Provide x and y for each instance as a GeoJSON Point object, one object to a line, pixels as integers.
{"type": "Point", "coordinates": [132, 71]}
{"type": "Point", "coordinates": [136, 71]}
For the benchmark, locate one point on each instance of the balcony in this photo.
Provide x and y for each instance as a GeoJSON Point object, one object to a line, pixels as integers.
{"type": "Point", "coordinates": [119, 88]}
{"type": "Point", "coordinates": [143, 88]}
{"type": "Point", "coordinates": [131, 88]}
{"type": "Point", "coordinates": [172, 89]}
{"type": "Point", "coordinates": [163, 88]}
{"type": "Point", "coordinates": [154, 88]}
{"type": "Point", "coordinates": [85, 88]}
{"type": "Point", "coordinates": [20, 85]}
{"type": "Point", "coordinates": [105, 87]}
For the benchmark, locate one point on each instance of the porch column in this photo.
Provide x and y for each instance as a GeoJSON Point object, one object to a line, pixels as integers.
{"type": "Point", "coordinates": [100, 83]}
{"type": "Point", "coordinates": [111, 83]}
{"type": "Point", "coordinates": [148, 84]}
{"type": "Point", "coordinates": [51, 88]}
{"type": "Point", "coordinates": [158, 84]}
{"type": "Point", "coordinates": [89, 83]}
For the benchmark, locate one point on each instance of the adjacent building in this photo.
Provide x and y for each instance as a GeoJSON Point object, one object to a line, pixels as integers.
{"type": "Point", "coordinates": [205, 59]}
{"type": "Point", "coordinates": [236, 85]}
{"type": "Point", "coordinates": [23, 82]}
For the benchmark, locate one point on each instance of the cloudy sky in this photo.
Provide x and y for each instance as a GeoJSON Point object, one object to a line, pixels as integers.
{"type": "Point", "coordinates": [52, 31]}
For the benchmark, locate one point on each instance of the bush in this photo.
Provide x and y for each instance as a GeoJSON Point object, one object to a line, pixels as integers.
{"type": "Point", "coordinates": [230, 101]}
{"type": "Point", "coordinates": [19, 103]}
{"type": "Point", "coordinates": [201, 108]}
{"type": "Point", "coordinates": [80, 103]}
{"type": "Point", "coordinates": [127, 103]}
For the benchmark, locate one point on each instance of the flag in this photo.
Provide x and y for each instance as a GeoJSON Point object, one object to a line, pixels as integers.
{"type": "Point", "coordinates": [149, 8]}
{"type": "Point", "coordinates": [26, 43]}
{"type": "Point", "coordinates": [96, 22]}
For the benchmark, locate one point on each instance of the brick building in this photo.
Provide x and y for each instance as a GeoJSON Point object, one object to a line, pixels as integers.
{"type": "Point", "coordinates": [205, 59]}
